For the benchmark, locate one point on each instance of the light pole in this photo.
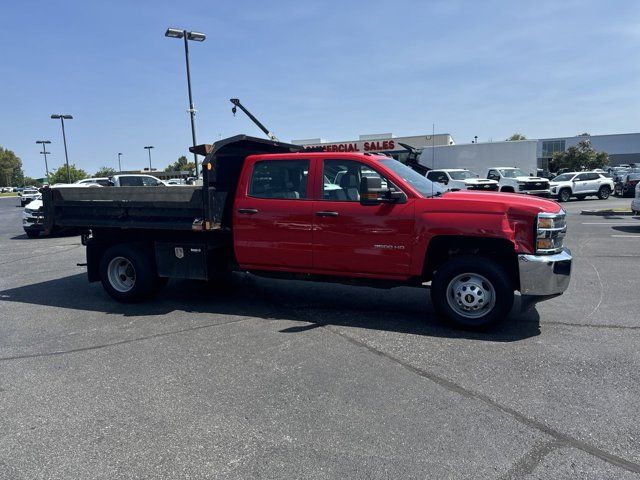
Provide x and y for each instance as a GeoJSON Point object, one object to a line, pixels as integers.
{"type": "Point", "coordinates": [148, 149]}
{"type": "Point", "coordinates": [119, 164]}
{"type": "Point", "coordinates": [196, 37]}
{"type": "Point", "coordinates": [64, 139]}
{"type": "Point", "coordinates": [44, 152]}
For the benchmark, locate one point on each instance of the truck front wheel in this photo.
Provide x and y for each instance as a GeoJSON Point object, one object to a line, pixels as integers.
{"type": "Point", "coordinates": [472, 292]}
{"type": "Point", "coordinates": [128, 273]}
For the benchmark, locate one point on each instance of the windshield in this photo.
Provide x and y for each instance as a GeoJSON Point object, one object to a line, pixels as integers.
{"type": "Point", "coordinates": [463, 175]}
{"type": "Point", "coordinates": [425, 187]}
{"type": "Point", "coordinates": [565, 177]}
{"type": "Point", "coordinates": [512, 172]}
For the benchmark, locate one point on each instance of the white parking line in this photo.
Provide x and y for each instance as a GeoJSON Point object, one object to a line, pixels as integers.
{"type": "Point", "coordinates": [612, 223]}
{"type": "Point", "coordinates": [626, 236]}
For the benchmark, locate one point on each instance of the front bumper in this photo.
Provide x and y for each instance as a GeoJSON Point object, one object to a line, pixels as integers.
{"type": "Point", "coordinates": [537, 193]}
{"type": "Point", "coordinates": [544, 275]}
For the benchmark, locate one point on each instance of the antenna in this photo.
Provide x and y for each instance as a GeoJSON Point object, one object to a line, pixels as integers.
{"type": "Point", "coordinates": [433, 151]}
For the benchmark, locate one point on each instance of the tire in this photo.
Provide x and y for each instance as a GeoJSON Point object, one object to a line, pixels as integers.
{"type": "Point", "coordinates": [32, 233]}
{"type": "Point", "coordinates": [604, 193]}
{"type": "Point", "coordinates": [564, 195]}
{"type": "Point", "coordinates": [128, 273]}
{"type": "Point", "coordinates": [483, 279]}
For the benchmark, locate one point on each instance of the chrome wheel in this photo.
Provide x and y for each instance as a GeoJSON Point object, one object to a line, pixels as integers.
{"type": "Point", "coordinates": [122, 274]}
{"type": "Point", "coordinates": [471, 295]}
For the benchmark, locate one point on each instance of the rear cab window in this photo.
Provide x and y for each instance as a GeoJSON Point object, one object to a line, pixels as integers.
{"type": "Point", "coordinates": [280, 179]}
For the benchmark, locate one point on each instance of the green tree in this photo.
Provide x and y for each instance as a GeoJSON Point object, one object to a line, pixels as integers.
{"type": "Point", "coordinates": [579, 157]}
{"type": "Point", "coordinates": [105, 172]}
{"type": "Point", "coordinates": [182, 164]}
{"type": "Point", "coordinates": [11, 174]}
{"type": "Point", "coordinates": [516, 136]}
{"type": "Point", "coordinates": [30, 182]}
{"type": "Point", "coordinates": [60, 175]}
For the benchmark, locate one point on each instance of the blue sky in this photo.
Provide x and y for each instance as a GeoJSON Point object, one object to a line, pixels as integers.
{"type": "Point", "coordinates": [310, 69]}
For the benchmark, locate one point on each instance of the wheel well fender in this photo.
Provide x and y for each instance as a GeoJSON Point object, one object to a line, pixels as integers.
{"type": "Point", "coordinates": [444, 247]}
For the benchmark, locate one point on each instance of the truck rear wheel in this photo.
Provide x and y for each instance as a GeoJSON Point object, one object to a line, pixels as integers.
{"type": "Point", "coordinates": [472, 292]}
{"type": "Point", "coordinates": [128, 273]}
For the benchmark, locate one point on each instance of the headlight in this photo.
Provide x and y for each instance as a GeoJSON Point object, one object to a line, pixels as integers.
{"type": "Point", "coordinates": [550, 232]}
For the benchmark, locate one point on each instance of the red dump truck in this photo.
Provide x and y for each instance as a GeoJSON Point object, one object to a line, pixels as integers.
{"type": "Point", "coordinates": [276, 209]}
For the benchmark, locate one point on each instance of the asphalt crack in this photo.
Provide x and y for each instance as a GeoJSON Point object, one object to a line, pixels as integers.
{"type": "Point", "coordinates": [121, 342]}
{"type": "Point", "coordinates": [558, 436]}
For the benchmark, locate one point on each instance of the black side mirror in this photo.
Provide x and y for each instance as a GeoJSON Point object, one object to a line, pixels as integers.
{"type": "Point", "coordinates": [372, 193]}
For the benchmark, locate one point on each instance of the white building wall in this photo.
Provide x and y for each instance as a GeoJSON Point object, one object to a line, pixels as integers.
{"type": "Point", "coordinates": [479, 157]}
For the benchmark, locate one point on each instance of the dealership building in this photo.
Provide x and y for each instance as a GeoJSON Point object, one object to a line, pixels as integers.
{"type": "Point", "coordinates": [385, 143]}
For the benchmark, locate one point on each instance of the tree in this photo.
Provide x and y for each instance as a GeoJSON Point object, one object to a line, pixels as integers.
{"type": "Point", "coordinates": [585, 134]}
{"type": "Point", "coordinates": [11, 174]}
{"type": "Point", "coordinates": [579, 157]}
{"type": "Point", "coordinates": [60, 175]}
{"type": "Point", "coordinates": [30, 182]}
{"type": "Point", "coordinates": [516, 136]}
{"type": "Point", "coordinates": [105, 172]}
{"type": "Point", "coordinates": [182, 164]}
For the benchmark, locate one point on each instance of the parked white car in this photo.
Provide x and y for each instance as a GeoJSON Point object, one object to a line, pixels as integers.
{"type": "Point", "coordinates": [94, 182]}
{"type": "Point", "coordinates": [635, 203]}
{"type": "Point", "coordinates": [136, 180]}
{"type": "Point", "coordinates": [581, 185]}
{"type": "Point", "coordinates": [27, 195]}
{"type": "Point", "coordinates": [511, 179]}
{"type": "Point", "coordinates": [453, 179]}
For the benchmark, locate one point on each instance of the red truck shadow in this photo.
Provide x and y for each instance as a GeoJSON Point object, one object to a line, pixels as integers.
{"type": "Point", "coordinates": [403, 310]}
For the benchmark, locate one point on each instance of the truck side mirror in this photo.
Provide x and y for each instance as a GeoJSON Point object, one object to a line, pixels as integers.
{"type": "Point", "coordinates": [370, 190]}
{"type": "Point", "coordinates": [372, 193]}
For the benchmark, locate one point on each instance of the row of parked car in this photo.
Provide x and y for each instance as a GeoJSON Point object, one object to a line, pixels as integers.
{"type": "Point", "coordinates": [513, 180]}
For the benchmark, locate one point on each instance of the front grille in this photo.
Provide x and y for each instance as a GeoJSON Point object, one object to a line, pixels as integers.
{"type": "Point", "coordinates": [486, 187]}
{"type": "Point", "coordinates": [539, 185]}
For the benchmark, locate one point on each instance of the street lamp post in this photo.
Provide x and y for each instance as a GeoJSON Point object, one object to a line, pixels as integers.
{"type": "Point", "coordinates": [196, 37]}
{"type": "Point", "coordinates": [64, 139]}
{"type": "Point", "coordinates": [44, 152]}
{"type": "Point", "coordinates": [148, 149]}
{"type": "Point", "coordinates": [119, 164]}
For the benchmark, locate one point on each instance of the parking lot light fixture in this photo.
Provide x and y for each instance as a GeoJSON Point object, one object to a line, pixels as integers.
{"type": "Point", "coordinates": [196, 37]}
{"type": "Point", "coordinates": [62, 118]}
{"type": "Point", "coordinates": [148, 149]}
{"type": "Point", "coordinates": [44, 152]}
{"type": "Point", "coordinates": [119, 164]}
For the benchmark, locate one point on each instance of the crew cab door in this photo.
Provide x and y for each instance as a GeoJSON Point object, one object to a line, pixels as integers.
{"type": "Point", "coordinates": [273, 214]}
{"type": "Point", "coordinates": [355, 239]}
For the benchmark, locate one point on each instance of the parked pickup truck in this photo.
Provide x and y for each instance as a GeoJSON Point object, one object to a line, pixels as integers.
{"type": "Point", "coordinates": [274, 209]}
{"type": "Point", "coordinates": [514, 180]}
{"type": "Point", "coordinates": [454, 179]}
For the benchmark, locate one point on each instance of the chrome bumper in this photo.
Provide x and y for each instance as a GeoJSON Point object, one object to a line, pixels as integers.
{"type": "Point", "coordinates": [544, 274]}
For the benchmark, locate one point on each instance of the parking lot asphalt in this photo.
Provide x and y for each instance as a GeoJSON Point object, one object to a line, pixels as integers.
{"type": "Point", "coordinates": [283, 379]}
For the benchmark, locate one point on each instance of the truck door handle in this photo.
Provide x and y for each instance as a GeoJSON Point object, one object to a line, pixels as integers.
{"type": "Point", "coordinates": [326, 213]}
{"type": "Point", "coordinates": [248, 211]}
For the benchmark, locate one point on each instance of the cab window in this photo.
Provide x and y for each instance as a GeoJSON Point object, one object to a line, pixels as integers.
{"type": "Point", "coordinates": [341, 179]}
{"type": "Point", "coordinates": [279, 179]}
{"type": "Point", "coordinates": [130, 182]}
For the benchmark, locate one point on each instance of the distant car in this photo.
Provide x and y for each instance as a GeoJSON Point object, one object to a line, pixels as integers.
{"type": "Point", "coordinates": [626, 187]}
{"type": "Point", "coordinates": [453, 179]}
{"type": "Point", "coordinates": [33, 217]}
{"type": "Point", "coordinates": [94, 182]}
{"type": "Point", "coordinates": [176, 181]}
{"type": "Point", "coordinates": [136, 180]}
{"type": "Point", "coordinates": [581, 185]}
{"type": "Point", "coordinates": [635, 203]}
{"type": "Point", "coordinates": [27, 195]}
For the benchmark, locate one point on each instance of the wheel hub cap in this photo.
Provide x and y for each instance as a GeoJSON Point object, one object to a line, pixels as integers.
{"type": "Point", "coordinates": [471, 295]}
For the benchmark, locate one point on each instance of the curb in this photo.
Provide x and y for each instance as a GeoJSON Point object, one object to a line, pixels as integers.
{"type": "Point", "coordinates": [607, 213]}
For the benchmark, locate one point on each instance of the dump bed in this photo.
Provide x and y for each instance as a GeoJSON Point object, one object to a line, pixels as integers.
{"type": "Point", "coordinates": [173, 208]}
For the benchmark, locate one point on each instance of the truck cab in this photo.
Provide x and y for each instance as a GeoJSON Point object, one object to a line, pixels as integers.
{"type": "Point", "coordinates": [514, 180]}
{"type": "Point", "coordinates": [276, 210]}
